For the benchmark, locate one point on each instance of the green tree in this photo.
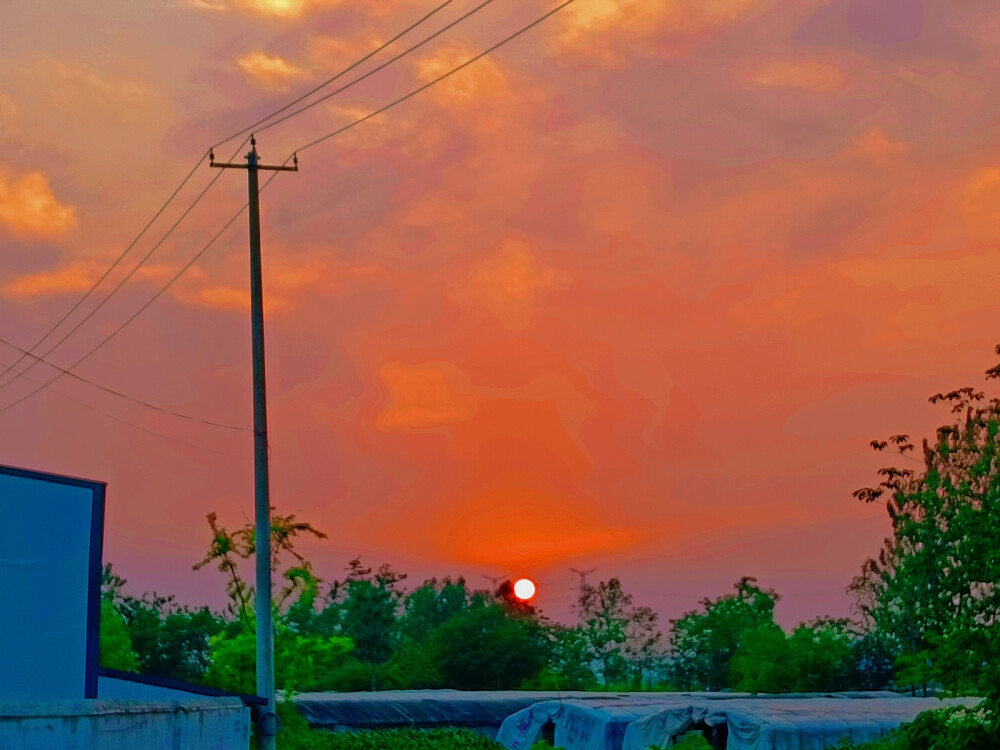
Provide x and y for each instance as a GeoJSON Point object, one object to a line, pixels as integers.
{"type": "Point", "coordinates": [486, 647]}
{"type": "Point", "coordinates": [116, 644]}
{"type": "Point", "coordinates": [933, 591]}
{"type": "Point", "coordinates": [369, 603]}
{"type": "Point", "coordinates": [703, 642]}
{"type": "Point", "coordinates": [623, 639]}
{"type": "Point", "coordinates": [166, 639]}
{"type": "Point", "coordinates": [816, 657]}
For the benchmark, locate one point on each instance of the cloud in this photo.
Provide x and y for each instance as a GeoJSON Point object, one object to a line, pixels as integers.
{"type": "Point", "coordinates": [481, 79]}
{"type": "Point", "coordinates": [72, 82]}
{"type": "Point", "coordinates": [270, 70]}
{"type": "Point", "coordinates": [508, 283]}
{"type": "Point", "coordinates": [277, 9]}
{"type": "Point", "coordinates": [75, 277]}
{"type": "Point", "coordinates": [28, 206]}
{"type": "Point", "coordinates": [609, 31]}
{"type": "Point", "coordinates": [811, 75]}
{"type": "Point", "coordinates": [283, 284]}
{"type": "Point", "coordinates": [424, 396]}
{"type": "Point", "coordinates": [874, 143]}
{"type": "Point", "coordinates": [523, 525]}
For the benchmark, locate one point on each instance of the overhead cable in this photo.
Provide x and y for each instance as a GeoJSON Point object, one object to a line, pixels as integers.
{"type": "Point", "coordinates": [235, 216]}
{"type": "Point", "coordinates": [440, 78]}
{"type": "Point", "coordinates": [328, 81]}
{"type": "Point", "coordinates": [30, 351]}
{"type": "Point", "coordinates": [119, 394]}
{"type": "Point", "coordinates": [376, 69]}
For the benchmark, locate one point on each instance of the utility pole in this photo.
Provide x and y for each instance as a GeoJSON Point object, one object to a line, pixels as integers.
{"type": "Point", "coordinates": [267, 719]}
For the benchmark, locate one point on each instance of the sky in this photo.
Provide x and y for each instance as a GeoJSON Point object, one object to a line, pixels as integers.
{"type": "Point", "coordinates": [632, 293]}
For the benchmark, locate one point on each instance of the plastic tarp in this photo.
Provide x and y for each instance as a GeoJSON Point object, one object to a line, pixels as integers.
{"type": "Point", "coordinates": [417, 708]}
{"type": "Point", "coordinates": [592, 724]}
{"type": "Point", "coordinates": [782, 723]}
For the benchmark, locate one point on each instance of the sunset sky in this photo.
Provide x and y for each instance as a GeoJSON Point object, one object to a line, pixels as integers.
{"type": "Point", "coordinates": [632, 293]}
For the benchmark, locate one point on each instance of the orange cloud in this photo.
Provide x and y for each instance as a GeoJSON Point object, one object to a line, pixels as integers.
{"type": "Point", "coordinates": [810, 75]}
{"type": "Point", "coordinates": [980, 201]}
{"type": "Point", "coordinates": [28, 206]}
{"type": "Point", "coordinates": [874, 143]}
{"type": "Point", "coordinates": [76, 277]}
{"type": "Point", "coordinates": [481, 79]}
{"type": "Point", "coordinates": [424, 396]}
{"type": "Point", "coordinates": [271, 71]}
{"type": "Point", "coordinates": [283, 283]}
{"type": "Point", "coordinates": [517, 525]}
{"type": "Point", "coordinates": [605, 30]}
{"type": "Point", "coordinates": [508, 283]}
{"type": "Point", "coordinates": [72, 82]}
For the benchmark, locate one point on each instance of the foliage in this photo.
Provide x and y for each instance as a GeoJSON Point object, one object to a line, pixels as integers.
{"type": "Point", "coordinates": [303, 663]}
{"type": "Point", "coordinates": [622, 638]}
{"type": "Point", "coordinates": [692, 741]}
{"type": "Point", "coordinates": [168, 640]}
{"type": "Point", "coordinates": [953, 728]}
{"type": "Point", "coordinates": [486, 647]}
{"type": "Point", "coordinates": [568, 665]}
{"type": "Point", "coordinates": [703, 642]}
{"type": "Point", "coordinates": [228, 548]}
{"type": "Point", "coordinates": [116, 643]}
{"type": "Point", "coordinates": [816, 657]}
{"type": "Point", "coordinates": [295, 734]}
{"type": "Point", "coordinates": [368, 604]}
{"type": "Point", "coordinates": [933, 591]}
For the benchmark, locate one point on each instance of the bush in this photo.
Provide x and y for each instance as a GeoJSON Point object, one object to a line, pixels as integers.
{"type": "Point", "coordinates": [953, 728]}
{"type": "Point", "coordinates": [296, 735]}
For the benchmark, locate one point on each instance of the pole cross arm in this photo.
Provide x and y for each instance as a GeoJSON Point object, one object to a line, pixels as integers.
{"type": "Point", "coordinates": [270, 168]}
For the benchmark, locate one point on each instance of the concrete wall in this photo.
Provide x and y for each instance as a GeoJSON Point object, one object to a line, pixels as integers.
{"type": "Point", "coordinates": [190, 724]}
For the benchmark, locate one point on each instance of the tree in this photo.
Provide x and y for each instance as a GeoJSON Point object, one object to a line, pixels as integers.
{"type": "Point", "coordinates": [703, 642]}
{"type": "Point", "coordinates": [622, 639]}
{"type": "Point", "coordinates": [167, 640]}
{"type": "Point", "coordinates": [116, 643]}
{"type": "Point", "coordinates": [369, 603]}
{"type": "Point", "coordinates": [486, 647]}
{"type": "Point", "coordinates": [816, 657]}
{"type": "Point", "coordinates": [934, 584]}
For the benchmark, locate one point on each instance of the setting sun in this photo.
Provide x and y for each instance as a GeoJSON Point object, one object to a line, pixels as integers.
{"type": "Point", "coordinates": [524, 589]}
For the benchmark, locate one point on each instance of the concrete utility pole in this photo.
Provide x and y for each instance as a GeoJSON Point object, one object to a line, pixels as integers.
{"type": "Point", "coordinates": [267, 719]}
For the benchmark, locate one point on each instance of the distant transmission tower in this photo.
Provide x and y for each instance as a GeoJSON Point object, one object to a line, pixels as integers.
{"type": "Point", "coordinates": [583, 586]}
{"type": "Point", "coordinates": [495, 581]}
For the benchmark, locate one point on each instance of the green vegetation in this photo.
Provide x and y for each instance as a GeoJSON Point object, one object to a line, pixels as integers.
{"type": "Point", "coordinates": [296, 735]}
{"type": "Point", "coordinates": [927, 616]}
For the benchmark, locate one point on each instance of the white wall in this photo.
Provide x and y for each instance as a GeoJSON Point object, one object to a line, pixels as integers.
{"type": "Point", "coordinates": [192, 724]}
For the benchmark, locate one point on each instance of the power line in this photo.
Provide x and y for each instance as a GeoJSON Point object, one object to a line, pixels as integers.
{"type": "Point", "coordinates": [133, 425]}
{"type": "Point", "coordinates": [440, 78]}
{"type": "Point", "coordinates": [30, 351]}
{"type": "Point", "coordinates": [342, 73]}
{"type": "Point", "coordinates": [114, 392]}
{"type": "Point", "coordinates": [229, 223]}
{"type": "Point", "coordinates": [65, 371]}
{"type": "Point", "coordinates": [110, 294]}
{"type": "Point", "coordinates": [375, 70]}
{"type": "Point", "coordinates": [110, 268]}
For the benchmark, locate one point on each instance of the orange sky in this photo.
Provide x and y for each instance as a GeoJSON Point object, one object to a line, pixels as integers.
{"type": "Point", "coordinates": [632, 294]}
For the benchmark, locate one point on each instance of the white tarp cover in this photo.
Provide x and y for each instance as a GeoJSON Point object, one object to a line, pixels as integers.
{"type": "Point", "coordinates": [782, 724]}
{"type": "Point", "coordinates": [597, 722]}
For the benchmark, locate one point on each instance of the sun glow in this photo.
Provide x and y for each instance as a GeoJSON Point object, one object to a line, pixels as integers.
{"type": "Point", "coordinates": [524, 589]}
